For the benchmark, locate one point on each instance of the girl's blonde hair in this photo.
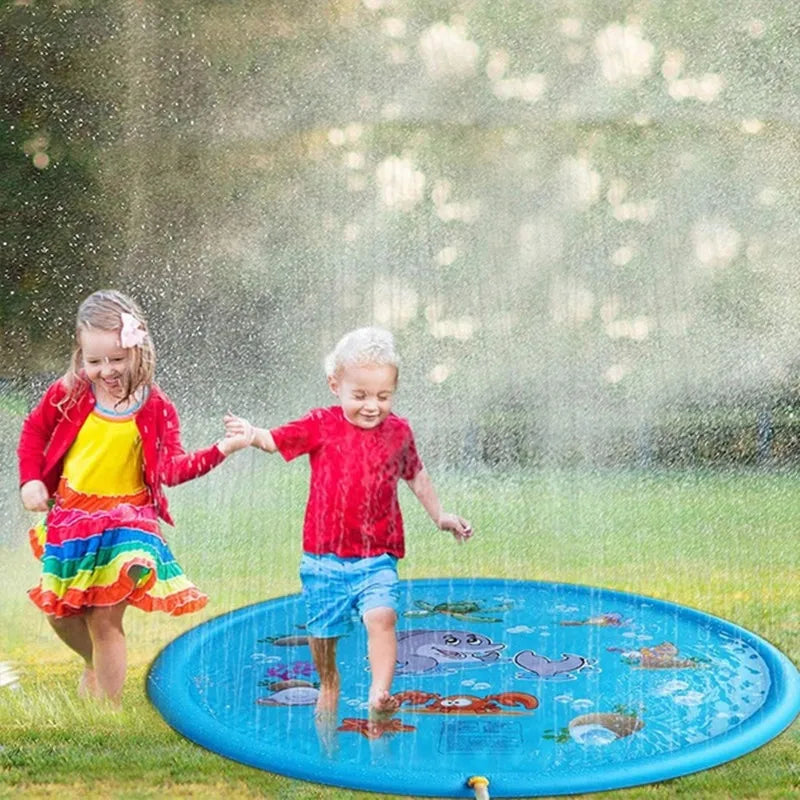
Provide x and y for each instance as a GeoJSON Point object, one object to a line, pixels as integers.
{"type": "Point", "coordinates": [361, 347]}
{"type": "Point", "coordinates": [103, 311]}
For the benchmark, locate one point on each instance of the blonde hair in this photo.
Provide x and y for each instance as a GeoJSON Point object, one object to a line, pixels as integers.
{"type": "Point", "coordinates": [102, 311]}
{"type": "Point", "coordinates": [373, 346]}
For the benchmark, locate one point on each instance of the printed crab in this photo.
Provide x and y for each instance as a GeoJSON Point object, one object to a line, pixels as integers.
{"type": "Point", "coordinates": [466, 703]}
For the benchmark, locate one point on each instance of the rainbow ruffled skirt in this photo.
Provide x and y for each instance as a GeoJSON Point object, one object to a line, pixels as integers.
{"type": "Point", "coordinates": [101, 551]}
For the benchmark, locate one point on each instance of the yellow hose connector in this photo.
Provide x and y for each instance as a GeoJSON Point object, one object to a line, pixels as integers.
{"type": "Point", "coordinates": [480, 785]}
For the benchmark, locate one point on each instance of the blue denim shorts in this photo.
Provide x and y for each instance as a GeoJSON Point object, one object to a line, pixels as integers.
{"type": "Point", "coordinates": [339, 591]}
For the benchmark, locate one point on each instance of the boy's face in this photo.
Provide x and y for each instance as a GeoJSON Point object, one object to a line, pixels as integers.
{"type": "Point", "coordinates": [365, 392]}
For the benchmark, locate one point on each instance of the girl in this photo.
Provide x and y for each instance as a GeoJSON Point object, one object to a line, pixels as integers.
{"type": "Point", "coordinates": [96, 451]}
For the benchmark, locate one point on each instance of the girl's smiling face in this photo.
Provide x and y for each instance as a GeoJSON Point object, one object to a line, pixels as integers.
{"type": "Point", "coordinates": [106, 362]}
{"type": "Point", "coordinates": [365, 392]}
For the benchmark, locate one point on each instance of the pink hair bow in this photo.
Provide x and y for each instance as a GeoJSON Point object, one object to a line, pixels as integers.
{"type": "Point", "coordinates": [132, 333]}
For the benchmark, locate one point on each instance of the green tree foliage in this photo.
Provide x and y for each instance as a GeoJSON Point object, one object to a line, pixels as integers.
{"type": "Point", "coordinates": [53, 246]}
{"type": "Point", "coordinates": [579, 213]}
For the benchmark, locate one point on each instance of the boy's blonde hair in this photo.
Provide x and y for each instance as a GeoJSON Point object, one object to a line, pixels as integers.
{"type": "Point", "coordinates": [363, 346]}
{"type": "Point", "coordinates": [103, 311]}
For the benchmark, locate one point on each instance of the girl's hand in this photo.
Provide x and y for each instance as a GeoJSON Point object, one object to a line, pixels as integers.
{"type": "Point", "coordinates": [34, 496]}
{"type": "Point", "coordinates": [239, 433]}
{"type": "Point", "coordinates": [458, 526]}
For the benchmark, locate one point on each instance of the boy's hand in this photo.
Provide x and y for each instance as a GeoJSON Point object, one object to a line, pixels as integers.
{"type": "Point", "coordinates": [239, 433]}
{"type": "Point", "coordinates": [458, 526]}
{"type": "Point", "coordinates": [34, 496]}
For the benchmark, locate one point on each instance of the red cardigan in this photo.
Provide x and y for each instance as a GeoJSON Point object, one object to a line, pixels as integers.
{"type": "Point", "coordinates": [48, 432]}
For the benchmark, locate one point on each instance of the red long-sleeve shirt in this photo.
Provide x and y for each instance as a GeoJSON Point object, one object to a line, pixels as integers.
{"type": "Point", "coordinates": [48, 432]}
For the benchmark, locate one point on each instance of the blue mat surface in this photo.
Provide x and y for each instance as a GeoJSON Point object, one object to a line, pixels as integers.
{"type": "Point", "coordinates": [543, 688]}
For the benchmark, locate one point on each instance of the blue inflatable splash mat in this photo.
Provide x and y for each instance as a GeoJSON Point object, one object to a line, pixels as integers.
{"type": "Point", "coordinates": [543, 688]}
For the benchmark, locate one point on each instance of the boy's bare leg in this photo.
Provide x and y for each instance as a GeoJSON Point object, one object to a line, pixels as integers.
{"type": "Point", "coordinates": [323, 651]}
{"type": "Point", "coordinates": [382, 653]}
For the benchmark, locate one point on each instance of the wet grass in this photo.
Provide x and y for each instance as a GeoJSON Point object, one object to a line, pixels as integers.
{"type": "Point", "coordinates": [725, 543]}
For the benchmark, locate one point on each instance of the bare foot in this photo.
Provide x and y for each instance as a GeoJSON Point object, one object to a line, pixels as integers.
{"type": "Point", "coordinates": [325, 719]}
{"type": "Point", "coordinates": [382, 706]}
{"type": "Point", "coordinates": [325, 725]}
{"type": "Point", "coordinates": [327, 703]}
{"type": "Point", "coordinates": [112, 703]}
{"type": "Point", "coordinates": [87, 685]}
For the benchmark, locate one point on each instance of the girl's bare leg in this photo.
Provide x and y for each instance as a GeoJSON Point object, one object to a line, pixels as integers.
{"type": "Point", "coordinates": [110, 655]}
{"type": "Point", "coordinates": [74, 632]}
{"type": "Point", "coordinates": [382, 654]}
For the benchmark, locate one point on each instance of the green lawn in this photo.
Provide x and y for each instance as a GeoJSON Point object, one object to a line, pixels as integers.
{"type": "Point", "coordinates": [726, 543]}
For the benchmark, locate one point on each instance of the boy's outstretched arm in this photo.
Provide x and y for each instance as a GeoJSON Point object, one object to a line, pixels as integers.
{"type": "Point", "coordinates": [263, 440]}
{"type": "Point", "coordinates": [422, 486]}
{"type": "Point", "coordinates": [259, 437]}
{"type": "Point", "coordinates": [238, 435]}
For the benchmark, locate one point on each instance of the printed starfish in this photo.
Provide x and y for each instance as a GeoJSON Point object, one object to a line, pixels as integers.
{"type": "Point", "coordinates": [374, 729]}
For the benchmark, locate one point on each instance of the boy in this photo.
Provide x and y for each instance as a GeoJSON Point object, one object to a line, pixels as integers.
{"type": "Point", "coordinates": [353, 529]}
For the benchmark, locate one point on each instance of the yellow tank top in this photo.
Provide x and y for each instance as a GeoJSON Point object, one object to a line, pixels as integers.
{"type": "Point", "coordinates": [106, 457]}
